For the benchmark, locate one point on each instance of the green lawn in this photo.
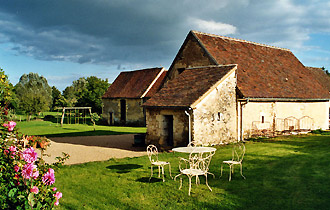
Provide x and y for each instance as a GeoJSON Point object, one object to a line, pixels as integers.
{"type": "Point", "coordinates": [51, 129]}
{"type": "Point", "coordinates": [281, 173]}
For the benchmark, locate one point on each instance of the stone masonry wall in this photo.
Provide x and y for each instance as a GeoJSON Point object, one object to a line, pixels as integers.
{"type": "Point", "coordinates": [268, 117]}
{"type": "Point", "coordinates": [156, 127]}
{"type": "Point", "coordinates": [134, 111]}
{"type": "Point", "coordinates": [215, 118]}
{"type": "Point", "coordinates": [191, 56]}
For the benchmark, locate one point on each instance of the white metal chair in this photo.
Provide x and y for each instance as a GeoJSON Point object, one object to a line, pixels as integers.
{"type": "Point", "coordinates": [196, 165]}
{"type": "Point", "coordinates": [152, 152]}
{"type": "Point", "coordinates": [237, 159]}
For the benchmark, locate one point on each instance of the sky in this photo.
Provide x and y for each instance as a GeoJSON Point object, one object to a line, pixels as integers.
{"type": "Point", "coordinates": [64, 40]}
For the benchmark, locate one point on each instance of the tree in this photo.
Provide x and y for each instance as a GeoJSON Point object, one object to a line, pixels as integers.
{"type": "Point", "coordinates": [58, 98]}
{"type": "Point", "coordinates": [92, 93]}
{"type": "Point", "coordinates": [6, 89]}
{"type": "Point", "coordinates": [34, 93]}
{"type": "Point", "coordinates": [74, 92]}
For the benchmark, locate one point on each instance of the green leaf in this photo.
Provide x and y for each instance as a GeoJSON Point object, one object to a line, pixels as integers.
{"type": "Point", "coordinates": [12, 192]}
{"type": "Point", "coordinates": [31, 199]}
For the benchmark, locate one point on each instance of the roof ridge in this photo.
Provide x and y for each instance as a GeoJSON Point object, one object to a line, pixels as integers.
{"type": "Point", "coordinates": [142, 69]}
{"type": "Point", "coordinates": [211, 66]}
{"type": "Point", "coordinates": [241, 40]}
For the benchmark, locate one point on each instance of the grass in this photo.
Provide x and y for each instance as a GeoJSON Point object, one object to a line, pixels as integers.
{"type": "Point", "coordinates": [50, 129]}
{"type": "Point", "coordinates": [281, 173]}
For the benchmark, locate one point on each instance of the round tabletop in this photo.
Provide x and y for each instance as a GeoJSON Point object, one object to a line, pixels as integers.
{"type": "Point", "coordinates": [194, 149]}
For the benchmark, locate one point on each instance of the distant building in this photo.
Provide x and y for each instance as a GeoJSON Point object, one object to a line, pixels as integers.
{"type": "Point", "coordinates": [122, 101]}
{"type": "Point", "coordinates": [233, 89]}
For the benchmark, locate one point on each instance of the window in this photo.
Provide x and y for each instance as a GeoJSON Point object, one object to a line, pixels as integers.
{"type": "Point", "coordinates": [180, 70]}
{"type": "Point", "coordinates": [220, 116]}
{"type": "Point", "coordinates": [262, 119]}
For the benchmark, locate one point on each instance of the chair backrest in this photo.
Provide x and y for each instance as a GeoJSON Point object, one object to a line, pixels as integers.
{"type": "Point", "coordinates": [152, 152]}
{"type": "Point", "coordinates": [195, 144]}
{"type": "Point", "coordinates": [238, 152]}
{"type": "Point", "coordinates": [200, 161]}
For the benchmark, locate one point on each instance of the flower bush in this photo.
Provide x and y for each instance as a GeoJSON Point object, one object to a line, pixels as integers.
{"type": "Point", "coordinates": [26, 181]}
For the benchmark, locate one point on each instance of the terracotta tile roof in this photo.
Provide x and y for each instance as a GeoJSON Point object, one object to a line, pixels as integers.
{"type": "Point", "coordinates": [188, 87]}
{"type": "Point", "coordinates": [320, 75]}
{"type": "Point", "coordinates": [263, 71]}
{"type": "Point", "coordinates": [133, 84]}
{"type": "Point", "coordinates": [157, 85]}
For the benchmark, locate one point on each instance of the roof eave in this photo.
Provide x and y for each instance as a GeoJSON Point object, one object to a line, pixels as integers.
{"type": "Point", "coordinates": [284, 99]}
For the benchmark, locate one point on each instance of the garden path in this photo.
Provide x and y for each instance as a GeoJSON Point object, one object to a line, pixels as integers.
{"type": "Point", "coordinates": [93, 148]}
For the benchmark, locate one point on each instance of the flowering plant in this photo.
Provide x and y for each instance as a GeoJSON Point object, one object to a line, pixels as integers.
{"type": "Point", "coordinates": [26, 181]}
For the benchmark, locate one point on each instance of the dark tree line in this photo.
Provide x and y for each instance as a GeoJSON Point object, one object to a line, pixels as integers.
{"type": "Point", "coordinates": [32, 94]}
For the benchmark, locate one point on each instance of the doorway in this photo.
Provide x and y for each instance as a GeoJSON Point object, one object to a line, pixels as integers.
{"type": "Point", "coordinates": [168, 128]}
{"type": "Point", "coordinates": [123, 112]}
{"type": "Point", "coordinates": [110, 118]}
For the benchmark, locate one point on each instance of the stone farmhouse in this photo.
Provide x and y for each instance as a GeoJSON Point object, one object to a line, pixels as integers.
{"type": "Point", "coordinates": [122, 101]}
{"type": "Point", "coordinates": [220, 89]}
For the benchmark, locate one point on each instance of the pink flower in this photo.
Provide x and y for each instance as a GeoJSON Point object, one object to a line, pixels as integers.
{"type": "Point", "coordinates": [54, 189]}
{"type": "Point", "coordinates": [6, 151]}
{"type": "Point", "coordinates": [30, 171]}
{"type": "Point", "coordinates": [16, 168]}
{"type": "Point", "coordinates": [57, 195]}
{"type": "Point", "coordinates": [56, 202]}
{"type": "Point", "coordinates": [16, 176]}
{"type": "Point", "coordinates": [49, 177]}
{"type": "Point", "coordinates": [10, 125]}
{"type": "Point", "coordinates": [12, 148]}
{"type": "Point", "coordinates": [30, 155]}
{"type": "Point", "coordinates": [34, 189]}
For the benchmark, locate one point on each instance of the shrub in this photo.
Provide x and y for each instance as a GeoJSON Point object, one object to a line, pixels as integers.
{"type": "Point", "coordinates": [26, 181]}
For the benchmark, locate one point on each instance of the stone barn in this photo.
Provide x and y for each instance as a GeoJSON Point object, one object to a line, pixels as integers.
{"type": "Point", "coordinates": [123, 99]}
{"type": "Point", "coordinates": [273, 93]}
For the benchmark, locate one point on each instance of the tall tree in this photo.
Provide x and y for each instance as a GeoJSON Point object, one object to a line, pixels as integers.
{"type": "Point", "coordinates": [92, 93]}
{"type": "Point", "coordinates": [74, 92]}
{"type": "Point", "coordinates": [58, 98]}
{"type": "Point", "coordinates": [6, 87]}
{"type": "Point", "coordinates": [34, 93]}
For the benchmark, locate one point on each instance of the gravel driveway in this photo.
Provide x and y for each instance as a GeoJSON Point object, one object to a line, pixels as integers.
{"type": "Point", "coordinates": [93, 148]}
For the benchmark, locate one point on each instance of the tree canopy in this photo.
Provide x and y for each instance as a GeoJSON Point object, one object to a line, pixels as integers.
{"type": "Point", "coordinates": [87, 92]}
{"type": "Point", "coordinates": [33, 93]}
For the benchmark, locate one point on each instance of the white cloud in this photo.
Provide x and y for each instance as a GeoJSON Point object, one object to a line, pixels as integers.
{"type": "Point", "coordinates": [212, 26]}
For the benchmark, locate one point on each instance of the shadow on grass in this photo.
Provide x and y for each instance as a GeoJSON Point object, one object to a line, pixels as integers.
{"type": "Point", "coordinates": [146, 180]}
{"type": "Point", "coordinates": [124, 168]}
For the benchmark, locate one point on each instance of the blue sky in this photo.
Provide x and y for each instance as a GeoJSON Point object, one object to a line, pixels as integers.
{"type": "Point", "coordinates": [64, 40]}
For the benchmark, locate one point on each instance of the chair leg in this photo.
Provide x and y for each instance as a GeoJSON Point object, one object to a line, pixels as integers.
{"type": "Point", "coordinates": [151, 173]}
{"type": "Point", "coordinates": [180, 183]}
{"type": "Point", "coordinates": [230, 171]}
{"type": "Point", "coordinates": [158, 171]}
{"type": "Point", "coordinates": [189, 185]}
{"type": "Point", "coordinates": [169, 166]}
{"type": "Point", "coordinates": [242, 171]}
{"type": "Point", "coordinates": [221, 170]}
{"type": "Point", "coordinates": [207, 184]}
{"type": "Point", "coordinates": [176, 176]}
{"type": "Point", "coordinates": [163, 173]}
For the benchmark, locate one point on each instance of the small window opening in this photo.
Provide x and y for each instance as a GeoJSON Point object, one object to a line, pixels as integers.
{"type": "Point", "coordinates": [220, 116]}
{"type": "Point", "coordinates": [262, 119]}
{"type": "Point", "coordinates": [180, 70]}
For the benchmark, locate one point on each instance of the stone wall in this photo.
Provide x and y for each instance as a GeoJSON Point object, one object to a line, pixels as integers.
{"type": "Point", "coordinates": [134, 112]}
{"type": "Point", "coordinates": [215, 116]}
{"type": "Point", "coordinates": [269, 117]}
{"type": "Point", "coordinates": [156, 127]}
{"type": "Point", "coordinates": [191, 56]}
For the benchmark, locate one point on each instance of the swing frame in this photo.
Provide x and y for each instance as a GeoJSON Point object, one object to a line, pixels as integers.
{"type": "Point", "coordinates": [75, 109]}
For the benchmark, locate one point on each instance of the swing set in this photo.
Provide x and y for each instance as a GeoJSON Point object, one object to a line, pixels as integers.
{"type": "Point", "coordinates": [78, 113]}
